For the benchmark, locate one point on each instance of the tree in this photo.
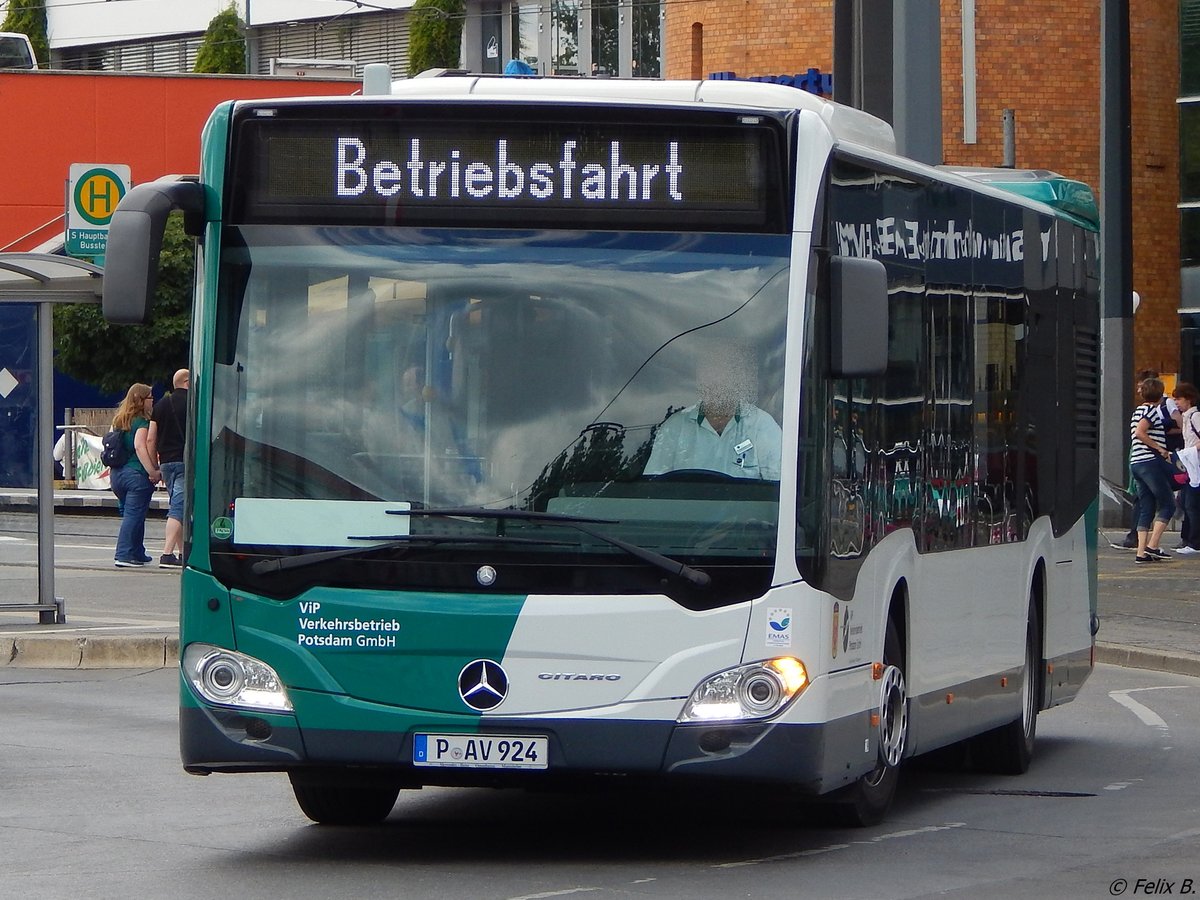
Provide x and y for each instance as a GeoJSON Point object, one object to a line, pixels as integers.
{"type": "Point", "coordinates": [28, 17]}
{"type": "Point", "coordinates": [112, 357]}
{"type": "Point", "coordinates": [435, 35]}
{"type": "Point", "coordinates": [223, 47]}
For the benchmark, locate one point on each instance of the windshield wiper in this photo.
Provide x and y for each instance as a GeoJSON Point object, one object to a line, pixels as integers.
{"type": "Point", "coordinates": [579, 523]}
{"type": "Point", "coordinates": [390, 542]}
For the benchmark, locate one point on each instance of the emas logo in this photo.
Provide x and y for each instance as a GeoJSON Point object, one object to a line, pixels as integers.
{"type": "Point", "coordinates": [779, 627]}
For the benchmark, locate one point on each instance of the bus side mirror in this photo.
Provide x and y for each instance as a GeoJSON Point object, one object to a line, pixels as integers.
{"type": "Point", "coordinates": [135, 235]}
{"type": "Point", "coordinates": [859, 317]}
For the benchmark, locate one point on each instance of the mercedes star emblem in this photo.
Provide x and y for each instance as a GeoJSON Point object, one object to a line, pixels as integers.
{"type": "Point", "coordinates": [482, 684]}
{"type": "Point", "coordinates": [486, 576]}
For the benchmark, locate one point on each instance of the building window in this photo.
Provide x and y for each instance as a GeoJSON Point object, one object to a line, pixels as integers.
{"type": "Point", "coordinates": [525, 30]}
{"type": "Point", "coordinates": [565, 26]}
{"type": "Point", "coordinates": [1189, 237]}
{"type": "Point", "coordinates": [1189, 151]}
{"type": "Point", "coordinates": [647, 39]}
{"type": "Point", "coordinates": [1189, 47]}
{"type": "Point", "coordinates": [606, 26]}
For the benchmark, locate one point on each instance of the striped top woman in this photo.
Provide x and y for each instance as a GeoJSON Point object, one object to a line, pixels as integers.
{"type": "Point", "coordinates": [1147, 430]}
{"type": "Point", "coordinates": [1148, 461]}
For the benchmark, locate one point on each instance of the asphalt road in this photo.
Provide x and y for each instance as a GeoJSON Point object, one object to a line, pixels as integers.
{"type": "Point", "coordinates": [94, 804]}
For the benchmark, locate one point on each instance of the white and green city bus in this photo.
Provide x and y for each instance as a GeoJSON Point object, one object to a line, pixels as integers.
{"type": "Point", "coordinates": [460, 511]}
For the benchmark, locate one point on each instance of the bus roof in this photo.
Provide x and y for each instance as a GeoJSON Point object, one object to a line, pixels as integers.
{"type": "Point", "coordinates": [843, 122]}
{"type": "Point", "coordinates": [1074, 198]}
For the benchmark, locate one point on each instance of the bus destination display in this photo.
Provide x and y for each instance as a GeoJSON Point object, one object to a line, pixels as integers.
{"type": "Point", "coordinates": [372, 172]}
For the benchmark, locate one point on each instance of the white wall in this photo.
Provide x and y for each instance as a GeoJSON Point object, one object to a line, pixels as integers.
{"type": "Point", "coordinates": [72, 23]}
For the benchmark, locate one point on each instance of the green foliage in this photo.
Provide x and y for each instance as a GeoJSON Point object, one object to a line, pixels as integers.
{"type": "Point", "coordinates": [434, 35]}
{"type": "Point", "coordinates": [28, 17]}
{"type": "Point", "coordinates": [112, 357]}
{"type": "Point", "coordinates": [223, 48]}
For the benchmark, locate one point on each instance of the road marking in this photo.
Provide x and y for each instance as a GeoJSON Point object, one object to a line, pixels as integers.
{"type": "Point", "coordinates": [157, 626]}
{"type": "Point", "coordinates": [562, 893]}
{"type": "Point", "coordinates": [830, 848]}
{"type": "Point", "coordinates": [1144, 713]}
{"type": "Point", "coordinates": [1121, 785]}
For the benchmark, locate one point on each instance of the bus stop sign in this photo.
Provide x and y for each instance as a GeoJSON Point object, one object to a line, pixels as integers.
{"type": "Point", "coordinates": [93, 191]}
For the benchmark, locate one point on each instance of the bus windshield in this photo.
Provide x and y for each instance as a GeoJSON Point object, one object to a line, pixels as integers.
{"type": "Point", "coordinates": [363, 372]}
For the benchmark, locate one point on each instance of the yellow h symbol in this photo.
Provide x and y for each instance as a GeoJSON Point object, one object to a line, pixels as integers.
{"type": "Point", "coordinates": [94, 196]}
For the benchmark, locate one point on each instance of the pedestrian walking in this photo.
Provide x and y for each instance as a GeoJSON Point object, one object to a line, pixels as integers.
{"type": "Point", "coordinates": [1131, 540]}
{"type": "Point", "coordinates": [1149, 460]}
{"type": "Point", "coordinates": [1187, 398]}
{"type": "Point", "coordinates": [133, 483]}
{"type": "Point", "coordinates": [168, 433]}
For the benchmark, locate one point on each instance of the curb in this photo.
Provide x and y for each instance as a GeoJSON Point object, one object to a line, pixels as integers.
{"type": "Point", "coordinates": [1139, 658]}
{"type": "Point", "coordinates": [86, 501]}
{"type": "Point", "coordinates": [101, 652]}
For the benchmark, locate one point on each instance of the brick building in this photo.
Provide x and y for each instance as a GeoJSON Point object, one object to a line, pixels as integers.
{"type": "Point", "coordinates": [1041, 61]}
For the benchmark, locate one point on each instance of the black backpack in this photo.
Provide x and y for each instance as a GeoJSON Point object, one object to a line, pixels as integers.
{"type": "Point", "coordinates": [114, 455]}
{"type": "Point", "coordinates": [1171, 431]}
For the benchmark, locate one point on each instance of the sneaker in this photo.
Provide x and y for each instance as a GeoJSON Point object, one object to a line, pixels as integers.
{"type": "Point", "coordinates": [128, 563]}
{"type": "Point", "coordinates": [1126, 544]}
{"type": "Point", "coordinates": [170, 561]}
{"type": "Point", "coordinates": [1145, 559]}
{"type": "Point", "coordinates": [1157, 553]}
{"type": "Point", "coordinates": [147, 559]}
{"type": "Point", "coordinates": [1185, 550]}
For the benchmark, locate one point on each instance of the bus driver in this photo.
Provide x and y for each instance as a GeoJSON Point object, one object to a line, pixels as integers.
{"type": "Point", "coordinates": [724, 432]}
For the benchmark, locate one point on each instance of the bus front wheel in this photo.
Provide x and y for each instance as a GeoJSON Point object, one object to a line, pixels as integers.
{"type": "Point", "coordinates": [333, 798]}
{"type": "Point", "coordinates": [867, 801]}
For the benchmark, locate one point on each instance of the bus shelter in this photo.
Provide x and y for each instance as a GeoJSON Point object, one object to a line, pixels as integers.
{"type": "Point", "coordinates": [31, 283]}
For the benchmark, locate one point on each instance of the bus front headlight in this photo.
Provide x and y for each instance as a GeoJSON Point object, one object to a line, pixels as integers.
{"type": "Point", "coordinates": [229, 678]}
{"type": "Point", "coordinates": [755, 691]}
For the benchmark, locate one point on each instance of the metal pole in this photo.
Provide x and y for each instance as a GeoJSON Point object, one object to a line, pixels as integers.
{"type": "Point", "coordinates": [50, 612]}
{"type": "Point", "coordinates": [68, 460]}
{"type": "Point", "coordinates": [969, 74]}
{"type": "Point", "coordinates": [1116, 293]}
{"type": "Point", "coordinates": [1010, 139]}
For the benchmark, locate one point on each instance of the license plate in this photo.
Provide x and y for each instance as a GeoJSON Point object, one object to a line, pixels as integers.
{"type": "Point", "coordinates": [481, 751]}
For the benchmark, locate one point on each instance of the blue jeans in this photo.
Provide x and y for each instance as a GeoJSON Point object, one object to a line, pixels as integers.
{"type": "Point", "coordinates": [1156, 499]}
{"type": "Point", "coordinates": [133, 490]}
{"type": "Point", "coordinates": [1189, 534]}
{"type": "Point", "coordinates": [172, 476]}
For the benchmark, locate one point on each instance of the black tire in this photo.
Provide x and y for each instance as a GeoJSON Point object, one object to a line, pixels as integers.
{"type": "Point", "coordinates": [868, 800]}
{"type": "Point", "coordinates": [1008, 750]}
{"type": "Point", "coordinates": [331, 798]}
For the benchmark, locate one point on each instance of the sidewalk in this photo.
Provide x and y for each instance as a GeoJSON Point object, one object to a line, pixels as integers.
{"type": "Point", "coordinates": [70, 502]}
{"type": "Point", "coordinates": [1149, 615]}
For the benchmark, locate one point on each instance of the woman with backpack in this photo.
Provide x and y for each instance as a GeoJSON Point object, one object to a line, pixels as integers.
{"type": "Point", "coordinates": [1149, 461]}
{"type": "Point", "coordinates": [133, 482]}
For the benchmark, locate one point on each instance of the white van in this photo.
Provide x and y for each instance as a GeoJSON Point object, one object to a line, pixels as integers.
{"type": "Point", "coordinates": [16, 52]}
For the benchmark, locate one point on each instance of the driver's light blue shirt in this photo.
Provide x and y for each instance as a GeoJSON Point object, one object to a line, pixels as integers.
{"type": "Point", "coordinates": [749, 447]}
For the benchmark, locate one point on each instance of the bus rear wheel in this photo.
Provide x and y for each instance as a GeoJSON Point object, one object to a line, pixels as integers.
{"type": "Point", "coordinates": [334, 798]}
{"type": "Point", "coordinates": [867, 801]}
